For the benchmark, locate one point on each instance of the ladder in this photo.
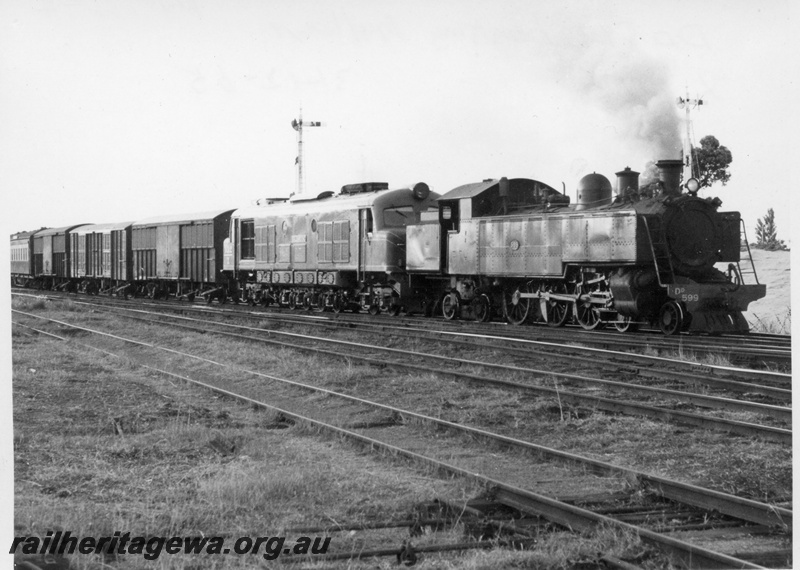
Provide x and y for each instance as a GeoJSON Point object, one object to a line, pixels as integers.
{"type": "Point", "coordinates": [751, 270]}
{"type": "Point", "coordinates": [659, 250]}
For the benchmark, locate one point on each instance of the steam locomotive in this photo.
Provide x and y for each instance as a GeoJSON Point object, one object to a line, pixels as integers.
{"type": "Point", "coordinates": [512, 248]}
{"type": "Point", "coordinates": [519, 247]}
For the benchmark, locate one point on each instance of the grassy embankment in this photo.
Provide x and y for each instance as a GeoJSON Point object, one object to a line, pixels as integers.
{"type": "Point", "coordinates": [100, 445]}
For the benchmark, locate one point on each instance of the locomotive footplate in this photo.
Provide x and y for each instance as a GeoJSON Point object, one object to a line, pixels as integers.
{"type": "Point", "coordinates": [715, 307]}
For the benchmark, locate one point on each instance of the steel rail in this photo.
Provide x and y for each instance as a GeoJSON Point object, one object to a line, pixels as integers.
{"type": "Point", "coordinates": [559, 352]}
{"type": "Point", "coordinates": [569, 516]}
{"type": "Point", "coordinates": [708, 499]}
{"type": "Point", "coordinates": [778, 346]}
{"type": "Point", "coordinates": [694, 366]}
{"type": "Point", "coordinates": [698, 343]}
{"type": "Point", "coordinates": [577, 335]}
{"type": "Point", "coordinates": [743, 428]}
{"type": "Point", "coordinates": [686, 377]}
{"type": "Point", "coordinates": [416, 326]}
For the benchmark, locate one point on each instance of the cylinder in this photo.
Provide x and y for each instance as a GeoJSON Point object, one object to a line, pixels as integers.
{"type": "Point", "coordinates": [669, 173]}
{"type": "Point", "coordinates": [627, 182]}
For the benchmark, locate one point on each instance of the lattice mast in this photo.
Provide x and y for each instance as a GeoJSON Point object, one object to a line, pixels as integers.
{"type": "Point", "coordinates": [298, 125]}
{"type": "Point", "coordinates": [690, 168]}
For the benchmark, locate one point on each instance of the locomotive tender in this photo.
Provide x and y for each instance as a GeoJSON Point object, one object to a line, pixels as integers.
{"type": "Point", "coordinates": [510, 247]}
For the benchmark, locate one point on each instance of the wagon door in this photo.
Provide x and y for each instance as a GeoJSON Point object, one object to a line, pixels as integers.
{"type": "Point", "coordinates": [106, 258]}
{"type": "Point", "coordinates": [167, 251]}
{"type": "Point", "coordinates": [47, 255]}
{"type": "Point", "coordinates": [89, 254]}
{"type": "Point", "coordinates": [38, 256]}
{"type": "Point", "coordinates": [119, 258]}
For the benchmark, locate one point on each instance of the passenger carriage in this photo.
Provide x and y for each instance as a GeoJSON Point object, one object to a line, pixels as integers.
{"type": "Point", "coordinates": [22, 258]}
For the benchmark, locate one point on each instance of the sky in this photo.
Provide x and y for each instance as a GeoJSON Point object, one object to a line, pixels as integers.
{"type": "Point", "coordinates": [116, 110]}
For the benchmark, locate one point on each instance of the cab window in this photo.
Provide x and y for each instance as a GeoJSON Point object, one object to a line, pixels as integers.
{"type": "Point", "coordinates": [248, 239]}
{"type": "Point", "coordinates": [398, 217]}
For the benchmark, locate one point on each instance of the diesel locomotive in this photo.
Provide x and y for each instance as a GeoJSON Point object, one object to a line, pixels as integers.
{"type": "Point", "coordinates": [343, 251]}
{"type": "Point", "coordinates": [512, 248]}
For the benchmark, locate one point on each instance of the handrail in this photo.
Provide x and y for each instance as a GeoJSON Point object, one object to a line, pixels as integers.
{"type": "Point", "coordinates": [749, 253]}
{"type": "Point", "coordinates": [653, 253]}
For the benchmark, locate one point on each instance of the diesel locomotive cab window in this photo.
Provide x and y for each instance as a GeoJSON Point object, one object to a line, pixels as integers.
{"type": "Point", "coordinates": [398, 217]}
{"type": "Point", "coordinates": [248, 239]}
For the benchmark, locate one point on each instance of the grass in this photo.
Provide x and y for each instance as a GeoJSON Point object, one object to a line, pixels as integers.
{"type": "Point", "coordinates": [182, 463]}
{"type": "Point", "coordinates": [773, 324]}
{"type": "Point", "coordinates": [156, 456]}
{"type": "Point", "coordinates": [687, 355]}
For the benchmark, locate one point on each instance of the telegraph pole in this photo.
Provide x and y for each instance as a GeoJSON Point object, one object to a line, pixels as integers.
{"type": "Point", "coordinates": [298, 125]}
{"type": "Point", "coordinates": [689, 167]}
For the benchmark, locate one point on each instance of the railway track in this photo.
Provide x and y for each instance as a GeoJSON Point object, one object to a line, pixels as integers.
{"type": "Point", "coordinates": [742, 350]}
{"type": "Point", "coordinates": [545, 381]}
{"type": "Point", "coordinates": [414, 360]}
{"type": "Point", "coordinates": [761, 351]}
{"type": "Point", "coordinates": [566, 513]}
{"type": "Point", "coordinates": [753, 348]}
{"type": "Point", "coordinates": [504, 337]}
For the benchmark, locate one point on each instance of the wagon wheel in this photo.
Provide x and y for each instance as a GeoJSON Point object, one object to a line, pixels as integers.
{"type": "Point", "coordinates": [306, 299]}
{"type": "Point", "coordinates": [451, 306]}
{"type": "Point", "coordinates": [291, 300]}
{"type": "Point", "coordinates": [338, 304]}
{"type": "Point", "coordinates": [516, 309]}
{"type": "Point", "coordinates": [671, 318]}
{"type": "Point", "coordinates": [555, 312]}
{"type": "Point", "coordinates": [374, 309]}
{"type": "Point", "coordinates": [625, 324]}
{"type": "Point", "coordinates": [585, 314]}
{"type": "Point", "coordinates": [319, 302]}
{"type": "Point", "coordinates": [483, 308]}
{"type": "Point", "coordinates": [389, 305]}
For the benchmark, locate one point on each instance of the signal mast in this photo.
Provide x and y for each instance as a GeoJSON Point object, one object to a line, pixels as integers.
{"type": "Point", "coordinates": [298, 125]}
{"type": "Point", "coordinates": [690, 169]}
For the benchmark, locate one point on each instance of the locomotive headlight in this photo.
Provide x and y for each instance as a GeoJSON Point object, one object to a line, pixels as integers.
{"type": "Point", "coordinates": [421, 190]}
{"type": "Point", "coordinates": [692, 185]}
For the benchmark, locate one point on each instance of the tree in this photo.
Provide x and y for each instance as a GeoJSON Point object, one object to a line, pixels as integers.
{"type": "Point", "coordinates": [767, 233]}
{"type": "Point", "coordinates": [712, 160]}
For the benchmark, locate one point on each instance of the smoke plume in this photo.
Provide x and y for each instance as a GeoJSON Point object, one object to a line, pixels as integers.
{"type": "Point", "coordinates": [634, 89]}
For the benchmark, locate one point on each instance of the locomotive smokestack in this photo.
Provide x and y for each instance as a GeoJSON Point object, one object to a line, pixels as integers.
{"type": "Point", "coordinates": [669, 173]}
{"type": "Point", "coordinates": [627, 182]}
